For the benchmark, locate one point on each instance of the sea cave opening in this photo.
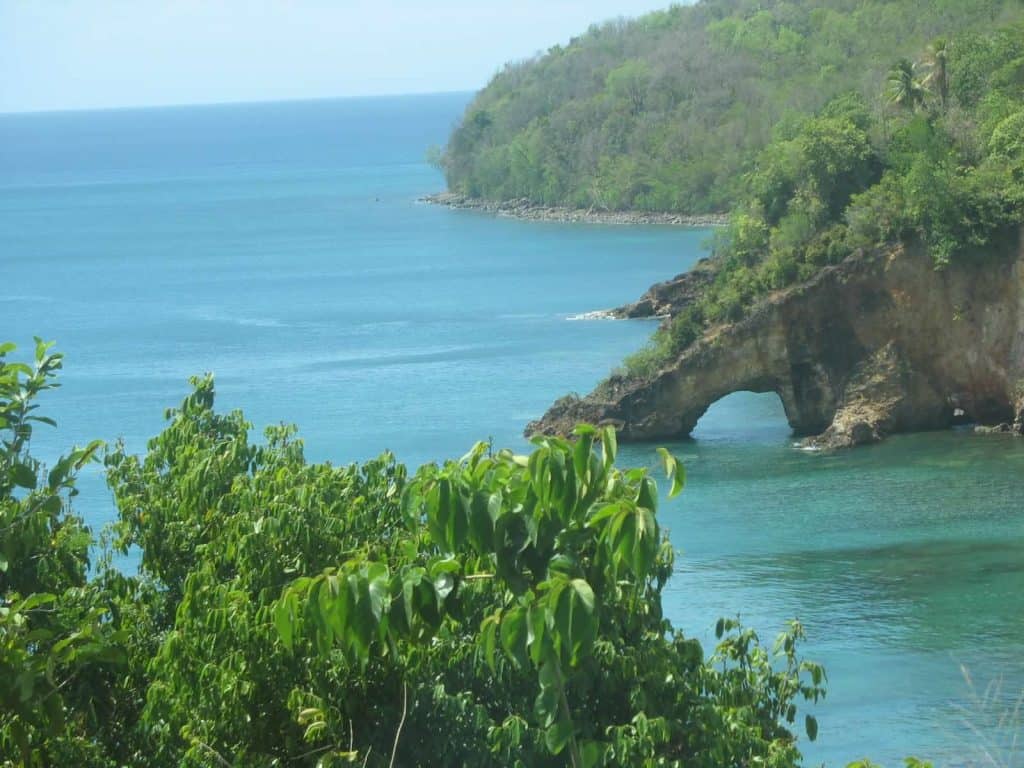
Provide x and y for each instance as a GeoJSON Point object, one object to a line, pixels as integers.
{"type": "Point", "coordinates": [744, 416]}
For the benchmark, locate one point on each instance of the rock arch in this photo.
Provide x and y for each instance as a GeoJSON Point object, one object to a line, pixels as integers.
{"type": "Point", "coordinates": [881, 343]}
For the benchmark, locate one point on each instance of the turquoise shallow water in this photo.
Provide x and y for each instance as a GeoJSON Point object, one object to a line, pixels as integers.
{"type": "Point", "coordinates": [282, 247]}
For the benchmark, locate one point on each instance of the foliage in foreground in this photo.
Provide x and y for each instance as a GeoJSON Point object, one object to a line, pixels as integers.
{"type": "Point", "coordinates": [495, 610]}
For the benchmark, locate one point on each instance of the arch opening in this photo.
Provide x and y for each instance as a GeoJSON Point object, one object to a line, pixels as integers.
{"type": "Point", "coordinates": [744, 415]}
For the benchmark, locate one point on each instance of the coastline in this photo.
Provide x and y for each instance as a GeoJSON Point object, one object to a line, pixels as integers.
{"type": "Point", "coordinates": [528, 210]}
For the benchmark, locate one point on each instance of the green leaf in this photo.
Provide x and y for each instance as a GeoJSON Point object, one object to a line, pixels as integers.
{"type": "Point", "coordinates": [489, 633]}
{"type": "Point", "coordinates": [34, 601]}
{"type": "Point", "coordinates": [675, 470]}
{"type": "Point", "coordinates": [42, 347]}
{"type": "Point", "coordinates": [513, 636]}
{"type": "Point", "coordinates": [548, 675]}
{"type": "Point", "coordinates": [648, 494]}
{"type": "Point", "coordinates": [23, 475]}
{"type": "Point", "coordinates": [545, 705]}
{"type": "Point", "coordinates": [558, 735]}
{"type": "Point", "coordinates": [20, 736]}
{"type": "Point", "coordinates": [54, 707]}
{"type": "Point", "coordinates": [583, 594]}
{"type": "Point", "coordinates": [51, 505]}
{"type": "Point", "coordinates": [645, 542]}
{"type": "Point", "coordinates": [575, 620]}
{"type": "Point", "coordinates": [811, 724]}
{"type": "Point", "coordinates": [581, 453]}
{"type": "Point", "coordinates": [537, 636]}
{"type": "Point", "coordinates": [481, 522]}
{"type": "Point", "coordinates": [609, 446]}
{"type": "Point", "coordinates": [584, 623]}
{"type": "Point", "coordinates": [591, 752]}
{"type": "Point", "coordinates": [410, 506]}
{"type": "Point", "coordinates": [59, 472]}
{"type": "Point", "coordinates": [283, 620]}
{"type": "Point", "coordinates": [377, 581]}
{"type": "Point", "coordinates": [338, 606]}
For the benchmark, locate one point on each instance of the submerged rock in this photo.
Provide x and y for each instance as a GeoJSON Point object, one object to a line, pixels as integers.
{"type": "Point", "coordinates": [881, 343]}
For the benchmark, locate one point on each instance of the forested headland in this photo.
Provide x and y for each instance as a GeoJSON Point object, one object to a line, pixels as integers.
{"type": "Point", "coordinates": [669, 111]}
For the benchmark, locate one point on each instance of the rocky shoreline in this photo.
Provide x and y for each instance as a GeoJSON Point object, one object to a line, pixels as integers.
{"type": "Point", "coordinates": [527, 209]}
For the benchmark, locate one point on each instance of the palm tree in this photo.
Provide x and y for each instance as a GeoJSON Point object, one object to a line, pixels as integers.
{"type": "Point", "coordinates": [903, 87]}
{"type": "Point", "coordinates": [936, 58]}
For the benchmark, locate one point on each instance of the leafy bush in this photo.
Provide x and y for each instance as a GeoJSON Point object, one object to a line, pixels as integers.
{"type": "Point", "coordinates": [495, 610]}
{"type": "Point", "coordinates": [58, 638]}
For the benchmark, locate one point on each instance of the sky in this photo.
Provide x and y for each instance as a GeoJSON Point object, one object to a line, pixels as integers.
{"type": "Point", "coordinates": [86, 54]}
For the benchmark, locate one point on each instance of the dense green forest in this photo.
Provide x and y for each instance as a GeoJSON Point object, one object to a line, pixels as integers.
{"type": "Point", "coordinates": [935, 157]}
{"type": "Point", "coordinates": [496, 610]}
{"type": "Point", "coordinates": [670, 111]}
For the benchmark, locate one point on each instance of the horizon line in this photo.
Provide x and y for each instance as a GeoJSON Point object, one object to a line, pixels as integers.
{"type": "Point", "coordinates": [233, 102]}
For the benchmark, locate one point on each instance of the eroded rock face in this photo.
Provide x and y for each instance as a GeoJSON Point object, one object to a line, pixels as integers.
{"type": "Point", "coordinates": [881, 343]}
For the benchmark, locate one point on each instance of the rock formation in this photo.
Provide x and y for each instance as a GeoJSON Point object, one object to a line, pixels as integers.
{"type": "Point", "coordinates": [668, 298]}
{"type": "Point", "coordinates": [878, 344]}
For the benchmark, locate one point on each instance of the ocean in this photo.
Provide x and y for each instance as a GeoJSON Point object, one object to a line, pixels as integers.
{"type": "Point", "coordinates": [282, 247]}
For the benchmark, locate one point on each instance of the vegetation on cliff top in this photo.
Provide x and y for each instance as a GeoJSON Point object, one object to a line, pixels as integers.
{"type": "Point", "coordinates": [670, 111]}
{"type": "Point", "coordinates": [936, 157]}
{"type": "Point", "coordinates": [496, 610]}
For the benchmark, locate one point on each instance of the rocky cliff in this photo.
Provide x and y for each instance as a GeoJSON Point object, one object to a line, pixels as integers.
{"type": "Point", "coordinates": [672, 296]}
{"type": "Point", "coordinates": [878, 344]}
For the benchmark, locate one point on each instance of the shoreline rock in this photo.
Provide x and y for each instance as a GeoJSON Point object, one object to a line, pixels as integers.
{"type": "Point", "coordinates": [531, 211]}
{"type": "Point", "coordinates": [667, 299]}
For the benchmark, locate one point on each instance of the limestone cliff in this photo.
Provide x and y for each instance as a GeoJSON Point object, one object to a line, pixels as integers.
{"type": "Point", "coordinates": [878, 344]}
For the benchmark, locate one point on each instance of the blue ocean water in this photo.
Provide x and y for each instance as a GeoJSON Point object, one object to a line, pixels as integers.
{"type": "Point", "coordinates": [282, 247]}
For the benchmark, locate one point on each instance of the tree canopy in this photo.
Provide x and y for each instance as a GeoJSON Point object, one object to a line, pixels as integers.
{"type": "Point", "coordinates": [668, 112]}
{"type": "Point", "coordinates": [494, 610]}
{"type": "Point", "coordinates": [934, 158]}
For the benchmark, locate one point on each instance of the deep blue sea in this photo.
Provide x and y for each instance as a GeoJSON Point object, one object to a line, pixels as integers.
{"type": "Point", "coordinates": [282, 247]}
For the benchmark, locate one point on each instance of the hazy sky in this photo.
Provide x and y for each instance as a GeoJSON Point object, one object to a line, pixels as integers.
{"type": "Point", "coordinates": [73, 54]}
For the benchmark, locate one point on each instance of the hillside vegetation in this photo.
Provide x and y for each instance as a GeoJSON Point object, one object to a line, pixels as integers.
{"type": "Point", "coordinates": [669, 112]}
{"type": "Point", "coordinates": [934, 156]}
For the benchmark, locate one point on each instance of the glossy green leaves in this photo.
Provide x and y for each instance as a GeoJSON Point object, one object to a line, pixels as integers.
{"type": "Point", "coordinates": [548, 535]}
{"type": "Point", "coordinates": [497, 610]}
{"type": "Point", "coordinates": [57, 633]}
